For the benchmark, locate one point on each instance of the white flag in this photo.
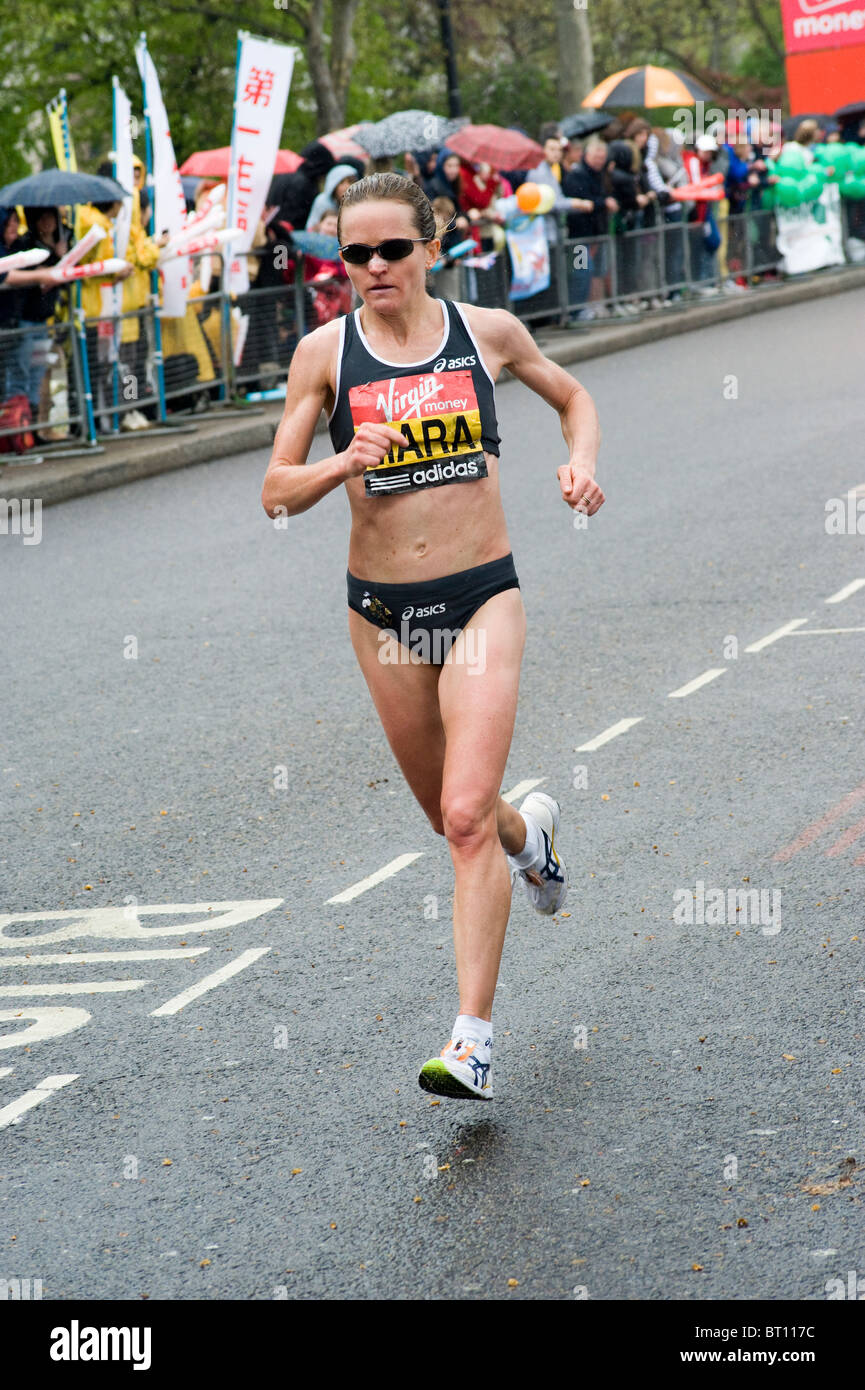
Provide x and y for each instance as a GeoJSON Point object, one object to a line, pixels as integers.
{"type": "Point", "coordinates": [169, 204]}
{"type": "Point", "coordinates": [123, 167]}
{"type": "Point", "coordinates": [264, 72]}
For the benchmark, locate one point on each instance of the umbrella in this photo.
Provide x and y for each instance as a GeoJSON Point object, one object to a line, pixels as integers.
{"type": "Point", "coordinates": [405, 130]}
{"type": "Point", "coordinates": [584, 123]}
{"type": "Point", "coordinates": [54, 188]}
{"type": "Point", "coordinates": [214, 164]}
{"type": "Point", "coordinates": [853, 108]}
{"type": "Point", "coordinates": [492, 144]}
{"type": "Point", "coordinates": [792, 123]}
{"type": "Point", "coordinates": [341, 142]}
{"type": "Point", "coordinates": [647, 86]}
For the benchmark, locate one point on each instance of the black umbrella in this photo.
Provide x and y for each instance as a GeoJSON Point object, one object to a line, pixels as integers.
{"type": "Point", "coordinates": [792, 123]}
{"type": "Point", "coordinates": [853, 108]}
{"type": "Point", "coordinates": [585, 123]}
{"type": "Point", "coordinates": [54, 188]}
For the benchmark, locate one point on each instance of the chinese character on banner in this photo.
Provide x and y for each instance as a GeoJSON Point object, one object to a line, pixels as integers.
{"type": "Point", "coordinates": [259, 86]}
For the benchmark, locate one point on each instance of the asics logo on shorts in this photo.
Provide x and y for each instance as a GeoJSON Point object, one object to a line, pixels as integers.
{"type": "Point", "coordinates": [430, 612]}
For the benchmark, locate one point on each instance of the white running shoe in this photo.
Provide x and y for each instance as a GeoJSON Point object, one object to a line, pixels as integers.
{"type": "Point", "coordinates": [460, 1071]}
{"type": "Point", "coordinates": [546, 881]}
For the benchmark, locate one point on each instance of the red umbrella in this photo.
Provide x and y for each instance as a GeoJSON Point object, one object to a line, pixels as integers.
{"type": "Point", "coordinates": [492, 144]}
{"type": "Point", "coordinates": [213, 164]}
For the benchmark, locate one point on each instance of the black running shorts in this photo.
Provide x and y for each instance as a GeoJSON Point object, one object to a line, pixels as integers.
{"type": "Point", "coordinates": [438, 607]}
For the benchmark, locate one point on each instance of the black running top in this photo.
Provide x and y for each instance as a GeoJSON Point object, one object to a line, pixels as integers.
{"type": "Point", "coordinates": [444, 405]}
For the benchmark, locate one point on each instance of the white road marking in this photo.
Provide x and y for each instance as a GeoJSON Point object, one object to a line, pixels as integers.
{"type": "Point", "coordinates": [388, 871]}
{"type": "Point", "coordinates": [858, 491]}
{"type": "Point", "coordinates": [120, 923]}
{"type": "Point", "coordinates": [98, 957]}
{"type": "Point", "coordinates": [613, 732]}
{"type": "Point", "coordinates": [774, 636]}
{"type": "Point", "coordinates": [174, 1005]}
{"type": "Point", "coordinates": [696, 683]}
{"type": "Point", "coordinates": [51, 1021]}
{"type": "Point", "coordinates": [6, 1071]}
{"type": "Point", "coordinates": [826, 631]}
{"type": "Point", "coordinates": [43, 1091]}
{"type": "Point", "coordinates": [522, 788]}
{"type": "Point", "coordinates": [79, 987]}
{"type": "Point", "coordinates": [851, 588]}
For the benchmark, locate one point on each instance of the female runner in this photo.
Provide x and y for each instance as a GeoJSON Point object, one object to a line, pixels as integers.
{"type": "Point", "coordinates": [407, 382]}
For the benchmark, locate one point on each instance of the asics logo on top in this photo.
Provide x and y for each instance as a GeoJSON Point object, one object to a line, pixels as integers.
{"type": "Point", "coordinates": [430, 612]}
{"type": "Point", "coordinates": [451, 363]}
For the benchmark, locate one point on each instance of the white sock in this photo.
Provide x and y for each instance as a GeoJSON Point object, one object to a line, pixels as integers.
{"type": "Point", "coordinates": [532, 848]}
{"type": "Point", "coordinates": [478, 1029]}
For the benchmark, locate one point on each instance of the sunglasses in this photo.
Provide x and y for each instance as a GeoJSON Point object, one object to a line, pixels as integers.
{"type": "Point", "coordinates": [395, 249]}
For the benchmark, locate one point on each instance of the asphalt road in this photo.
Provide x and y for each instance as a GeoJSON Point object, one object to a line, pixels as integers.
{"type": "Point", "coordinates": [185, 728]}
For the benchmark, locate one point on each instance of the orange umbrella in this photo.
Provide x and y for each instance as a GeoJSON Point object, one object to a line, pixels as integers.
{"type": "Point", "coordinates": [213, 164]}
{"type": "Point", "coordinates": [647, 86]}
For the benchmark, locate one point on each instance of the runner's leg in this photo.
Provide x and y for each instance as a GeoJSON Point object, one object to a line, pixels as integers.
{"type": "Point", "coordinates": [407, 702]}
{"type": "Point", "coordinates": [478, 702]}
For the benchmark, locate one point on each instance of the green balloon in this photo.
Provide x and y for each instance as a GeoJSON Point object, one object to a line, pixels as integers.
{"type": "Point", "coordinates": [823, 153]}
{"type": "Point", "coordinates": [788, 193]}
{"type": "Point", "coordinates": [792, 158]}
{"type": "Point", "coordinates": [767, 199]}
{"type": "Point", "coordinates": [843, 160]}
{"type": "Point", "coordinates": [810, 187]}
{"type": "Point", "coordinates": [852, 187]}
{"type": "Point", "coordinates": [857, 161]}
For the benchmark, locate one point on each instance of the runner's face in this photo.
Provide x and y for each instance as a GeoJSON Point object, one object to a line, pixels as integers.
{"type": "Point", "coordinates": [381, 282]}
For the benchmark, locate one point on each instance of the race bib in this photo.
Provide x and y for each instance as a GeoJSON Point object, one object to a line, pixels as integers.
{"type": "Point", "coordinates": [438, 414]}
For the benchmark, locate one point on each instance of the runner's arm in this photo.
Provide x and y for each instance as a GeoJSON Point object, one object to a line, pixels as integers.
{"type": "Point", "coordinates": [290, 485]}
{"type": "Point", "coordinates": [524, 360]}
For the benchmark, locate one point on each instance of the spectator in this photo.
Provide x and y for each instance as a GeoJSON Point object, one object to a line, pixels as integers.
{"type": "Point", "coordinates": [739, 184]}
{"type": "Point", "coordinates": [665, 171]}
{"type": "Point", "coordinates": [336, 181]}
{"type": "Point", "coordinates": [45, 231]}
{"type": "Point", "coordinates": [421, 167]}
{"type": "Point", "coordinates": [294, 194]}
{"type": "Point", "coordinates": [329, 279]}
{"type": "Point", "coordinates": [480, 185]}
{"type": "Point", "coordinates": [15, 349]}
{"type": "Point", "coordinates": [638, 132]}
{"type": "Point", "coordinates": [705, 237]}
{"type": "Point", "coordinates": [586, 183]}
{"type": "Point", "coordinates": [624, 173]}
{"type": "Point", "coordinates": [445, 283]}
{"type": "Point", "coordinates": [142, 253]}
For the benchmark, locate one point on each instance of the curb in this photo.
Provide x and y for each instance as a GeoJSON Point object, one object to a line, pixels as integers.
{"type": "Point", "coordinates": [61, 481]}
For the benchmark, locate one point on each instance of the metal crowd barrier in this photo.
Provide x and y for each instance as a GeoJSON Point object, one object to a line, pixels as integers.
{"type": "Point", "coordinates": [92, 379]}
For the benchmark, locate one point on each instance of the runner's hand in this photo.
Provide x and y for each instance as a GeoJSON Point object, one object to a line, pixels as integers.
{"type": "Point", "coordinates": [577, 485]}
{"type": "Point", "coordinates": [369, 446]}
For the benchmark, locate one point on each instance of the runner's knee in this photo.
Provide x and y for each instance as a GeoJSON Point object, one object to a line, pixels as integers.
{"type": "Point", "coordinates": [467, 820]}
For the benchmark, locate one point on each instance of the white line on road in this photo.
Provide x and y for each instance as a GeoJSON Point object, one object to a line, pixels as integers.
{"type": "Point", "coordinates": [851, 588]}
{"type": "Point", "coordinates": [613, 732]}
{"type": "Point", "coordinates": [774, 636]}
{"type": "Point", "coordinates": [80, 987]}
{"type": "Point", "coordinates": [173, 1006]}
{"type": "Point", "coordinates": [824, 631]}
{"type": "Point", "coordinates": [98, 957]}
{"type": "Point", "coordinates": [696, 683]}
{"type": "Point", "coordinates": [522, 788]}
{"type": "Point", "coordinates": [6, 1071]}
{"type": "Point", "coordinates": [43, 1091]}
{"type": "Point", "coordinates": [388, 871]}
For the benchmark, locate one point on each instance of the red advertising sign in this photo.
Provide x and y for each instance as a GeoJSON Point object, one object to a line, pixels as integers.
{"type": "Point", "coordinates": [810, 24]}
